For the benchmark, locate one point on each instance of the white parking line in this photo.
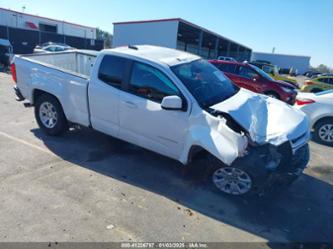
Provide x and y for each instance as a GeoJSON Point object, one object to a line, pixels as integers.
{"type": "Point", "coordinates": [26, 143]}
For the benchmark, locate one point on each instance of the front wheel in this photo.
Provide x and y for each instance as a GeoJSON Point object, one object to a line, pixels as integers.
{"type": "Point", "coordinates": [235, 180]}
{"type": "Point", "coordinates": [232, 181]}
{"type": "Point", "coordinates": [49, 115]}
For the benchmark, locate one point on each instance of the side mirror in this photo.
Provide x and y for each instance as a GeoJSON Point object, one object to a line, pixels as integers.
{"type": "Point", "coordinates": [172, 103]}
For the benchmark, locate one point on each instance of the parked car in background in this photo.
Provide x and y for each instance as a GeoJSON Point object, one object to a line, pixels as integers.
{"type": "Point", "coordinates": [6, 53]}
{"type": "Point", "coordinates": [253, 78]}
{"type": "Point", "coordinates": [318, 84]}
{"type": "Point", "coordinates": [226, 58]}
{"type": "Point", "coordinates": [52, 47]}
{"type": "Point", "coordinates": [273, 70]}
{"type": "Point", "coordinates": [284, 71]}
{"type": "Point", "coordinates": [315, 75]}
{"type": "Point", "coordinates": [263, 61]}
{"type": "Point", "coordinates": [319, 108]}
{"type": "Point", "coordinates": [310, 74]}
{"type": "Point", "coordinates": [325, 74]}
{"type": "Point", "coordinates": [173, 103]}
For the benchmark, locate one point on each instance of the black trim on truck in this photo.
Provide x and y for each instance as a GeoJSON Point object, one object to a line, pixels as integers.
{"type": "Point", "coordinates": [19, 96]}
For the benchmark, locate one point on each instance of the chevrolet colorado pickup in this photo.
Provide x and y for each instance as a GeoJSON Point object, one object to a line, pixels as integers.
{"type": "Point", "coordinates": [173, 103]}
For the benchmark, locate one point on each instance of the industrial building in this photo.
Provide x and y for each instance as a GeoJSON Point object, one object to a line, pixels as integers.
{"type": "Point", "coordinates": [178, 34]}
{"type": "Point", "coordinates": [25, 31]}
{"type": "Point", "coordinates": [298, 63]}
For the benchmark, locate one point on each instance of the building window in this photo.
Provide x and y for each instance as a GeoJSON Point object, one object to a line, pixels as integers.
{"type": "Point", "coordinates": [48, 28]}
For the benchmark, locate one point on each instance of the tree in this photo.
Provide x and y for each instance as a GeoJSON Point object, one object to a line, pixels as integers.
{"type": "Point", "coordinates": [322, 69]}
{"type": "Point", "coordinates": [105, 36]}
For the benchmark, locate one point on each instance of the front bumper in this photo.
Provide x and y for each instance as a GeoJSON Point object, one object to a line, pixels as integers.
{"type": "Point", "coordinates": [274, 165]}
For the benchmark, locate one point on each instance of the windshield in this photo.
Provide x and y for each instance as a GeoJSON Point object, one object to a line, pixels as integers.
{"type": "Point", "coordinates": [262, 73]}
{"type": "Point", "coordinates": [206, 83]}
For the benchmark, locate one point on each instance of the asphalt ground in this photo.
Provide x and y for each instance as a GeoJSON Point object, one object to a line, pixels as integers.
{"type": "Point", "coordinates": [86, 186]}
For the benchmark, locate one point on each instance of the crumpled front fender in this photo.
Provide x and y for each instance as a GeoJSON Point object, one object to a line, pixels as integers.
{"type": "Point", "coordinates": [223, 143]}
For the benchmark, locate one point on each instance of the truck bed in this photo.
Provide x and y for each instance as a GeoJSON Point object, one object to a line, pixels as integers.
{"type": "Point", "coordinates": [65, 75]}
{"type": "Point", "coordinates": [78, 62]}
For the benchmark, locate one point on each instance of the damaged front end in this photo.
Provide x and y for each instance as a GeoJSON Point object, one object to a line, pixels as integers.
{"type": "Point", "coordinates": [267, 163]}
{"type": "Point", "coordinates": [274, 165]}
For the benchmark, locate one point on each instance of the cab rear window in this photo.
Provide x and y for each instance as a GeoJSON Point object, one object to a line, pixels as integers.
{"type": "Point", "coordinates": [112, 70]}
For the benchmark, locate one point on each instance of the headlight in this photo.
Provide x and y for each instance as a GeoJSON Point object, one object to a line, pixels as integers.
{"type": "Point", "coordinates": [288, 90]}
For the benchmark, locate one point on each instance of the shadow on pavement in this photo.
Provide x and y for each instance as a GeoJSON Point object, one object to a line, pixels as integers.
{"type": "Point", "coordinates": [302, 213]}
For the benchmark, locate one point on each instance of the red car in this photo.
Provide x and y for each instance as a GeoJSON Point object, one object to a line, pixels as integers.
{"type": "Point", "coordinates": [253, 78]}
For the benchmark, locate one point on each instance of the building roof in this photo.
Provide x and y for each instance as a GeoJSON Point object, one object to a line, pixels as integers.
{"type": "Point", "coordinates": [47, 18]}
{"type": "Point", "coordinates": [147, 21]}
{"type": "Point", "coordinates": [155, 54]}
{"type": "Point", "coordinates": [183, 21]}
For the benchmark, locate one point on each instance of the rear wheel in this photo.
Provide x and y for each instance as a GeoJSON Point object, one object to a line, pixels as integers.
{"type": "Point", "coordinates": [323, 131]}
{"type": "Point", "coordinates": [49, 115]}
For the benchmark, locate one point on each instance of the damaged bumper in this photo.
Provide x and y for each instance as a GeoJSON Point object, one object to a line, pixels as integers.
{"type": "Point", "coordinates": [274, 165]}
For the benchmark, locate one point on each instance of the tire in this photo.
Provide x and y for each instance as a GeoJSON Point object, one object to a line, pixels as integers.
{"type": "Point", "coordinates": [323, 131]}
{"type": "Point", "coordinates": [50, 115]}
{"type": "Point", "coordinates": [211, 169]}
{"type": "Point", "coordinates": [273, 95]}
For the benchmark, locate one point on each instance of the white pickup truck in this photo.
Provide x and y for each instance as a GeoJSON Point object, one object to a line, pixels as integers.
{"type": "Point", "coordinates": [173, 103]}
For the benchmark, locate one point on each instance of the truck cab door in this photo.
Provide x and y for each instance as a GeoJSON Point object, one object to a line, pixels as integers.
{"type": "Point", "coordinates": [104, 90]}
{"type": "Point", "coordinates": [142, 119]}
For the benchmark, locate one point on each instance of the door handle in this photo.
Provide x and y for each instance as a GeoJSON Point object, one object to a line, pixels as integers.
{"type": "Point", "coordinates": [130, 104]}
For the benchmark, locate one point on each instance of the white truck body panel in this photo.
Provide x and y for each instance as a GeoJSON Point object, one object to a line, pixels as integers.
{"type": "Point", "coordinates": [65, 75]}
{"type": "Point", "coordinates": [79, 62]}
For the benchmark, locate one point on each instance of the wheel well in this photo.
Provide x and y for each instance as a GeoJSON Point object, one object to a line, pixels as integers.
{"type": "Point", "coordinates": [37, 93]}
{"type": "Point", "coordinates": [322, 119]}
{"type": "Point", "coordinates": [195, 152]}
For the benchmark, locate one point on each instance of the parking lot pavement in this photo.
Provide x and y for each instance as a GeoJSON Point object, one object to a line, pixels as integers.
{"type": "Point", "coordinates": [85, 186]}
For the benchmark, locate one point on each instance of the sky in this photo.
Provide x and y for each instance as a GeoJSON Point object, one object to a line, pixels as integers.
{"type": "Point", "coordinates": [300, 27]}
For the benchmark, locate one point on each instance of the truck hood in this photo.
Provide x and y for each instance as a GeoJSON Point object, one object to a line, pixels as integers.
{"type": "Point", "coordinates": [267, 120]}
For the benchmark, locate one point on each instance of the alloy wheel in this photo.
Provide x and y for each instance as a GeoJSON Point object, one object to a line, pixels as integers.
{"type": "Point", "coordinates": [325, 133]}
{"type": "Point", "coordinates": [232, 180]}
{"type": "Point", "coordinates": [48, 115]}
